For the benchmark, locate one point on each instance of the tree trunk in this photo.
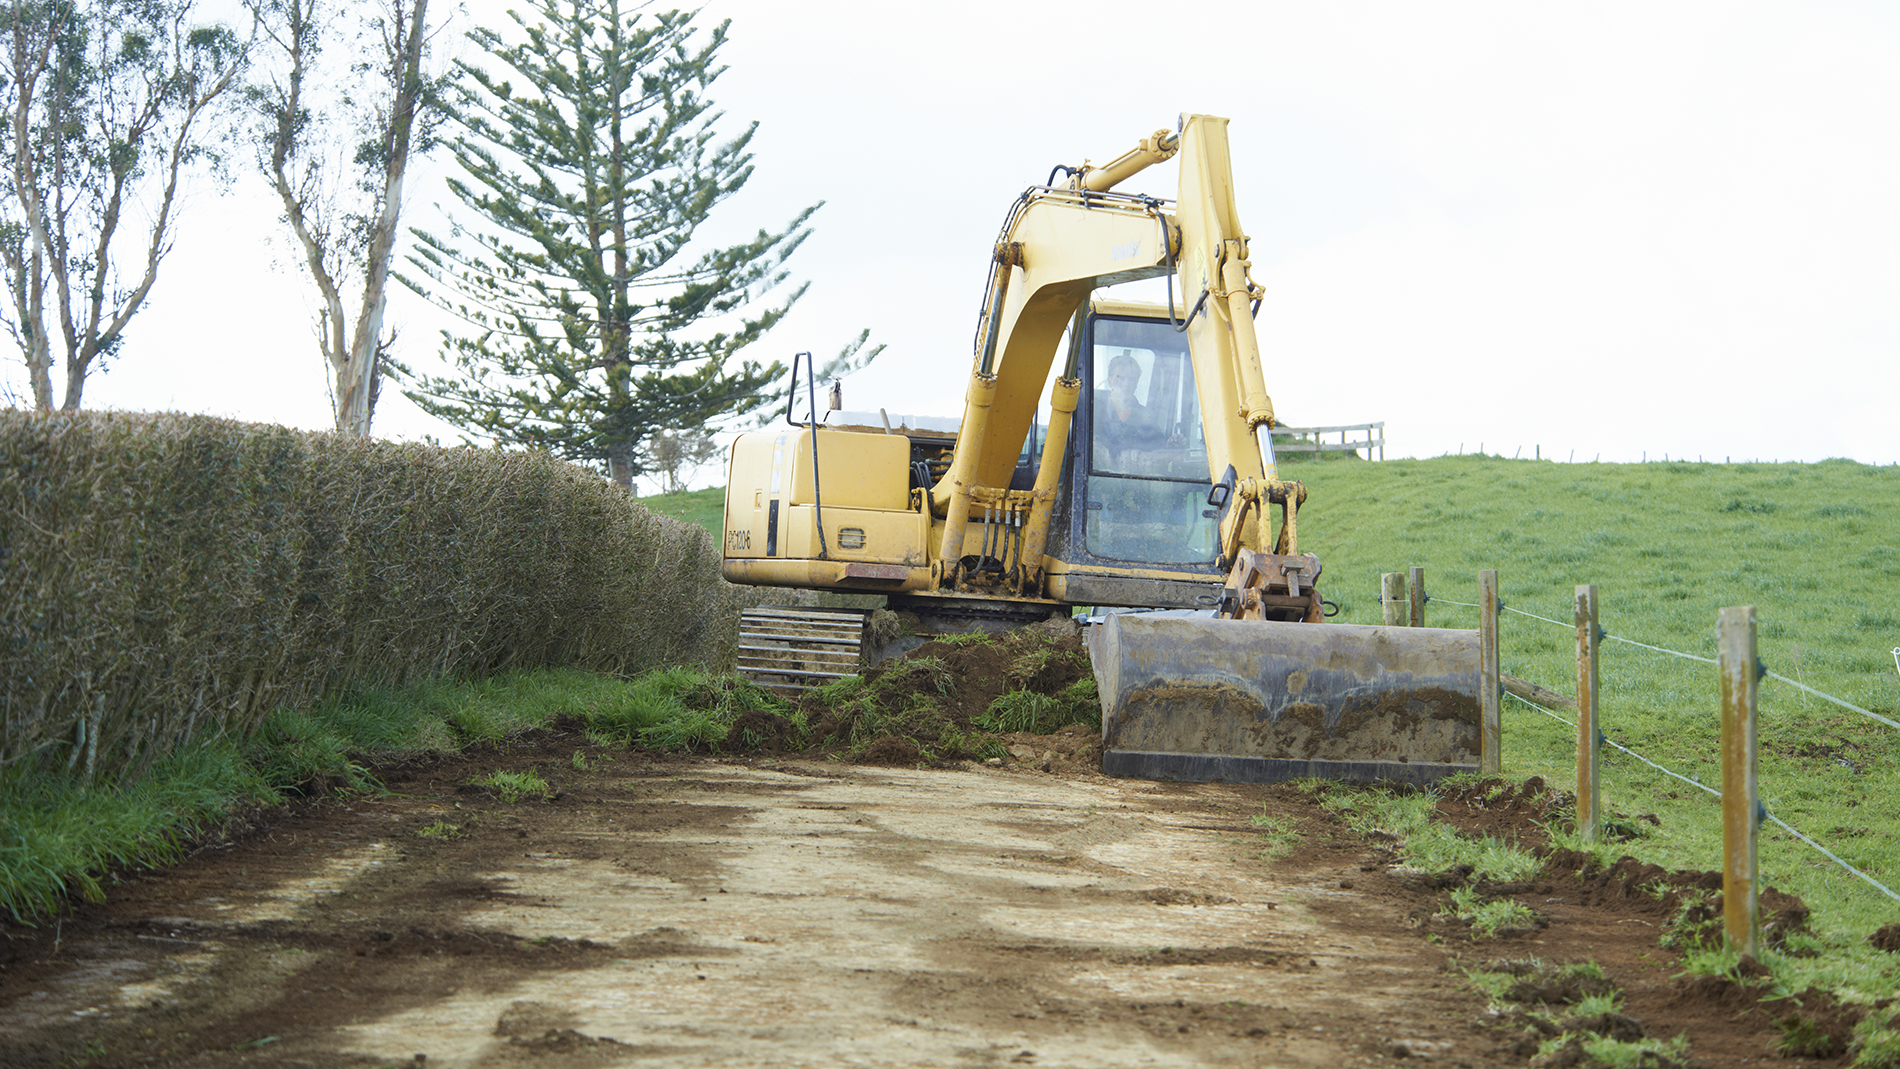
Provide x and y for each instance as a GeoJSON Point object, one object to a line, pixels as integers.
{"type": "Point", "coordinates": [77, 368]}
{"type": "Point", "coordinates": [40, 360]}
{"type": "Point", "coordinates": [620, 465]}
{"type": "Point", "coordinates": [356, 383]}
{"type": "Point", "coordinates": [39, 353]}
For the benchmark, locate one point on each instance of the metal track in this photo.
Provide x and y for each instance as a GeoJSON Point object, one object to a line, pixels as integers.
{"type": "Point", "coordinates": [792, 650]}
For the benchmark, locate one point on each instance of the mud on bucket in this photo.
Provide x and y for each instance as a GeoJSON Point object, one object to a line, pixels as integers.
{"type": "Point", "coordinates": [1248, 701]}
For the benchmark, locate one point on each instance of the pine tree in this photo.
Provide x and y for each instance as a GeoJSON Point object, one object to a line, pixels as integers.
{"type": "Point", "coordinates": [588, 167]}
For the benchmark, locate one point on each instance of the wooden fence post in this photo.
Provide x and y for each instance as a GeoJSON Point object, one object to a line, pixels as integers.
{"type": "Point", "coordinates": [1739, 668]}
{"type": "Point", "coordinates": [1392, 598]}
{"type": "Point", "coordinates": [1490, 684]}
{"type": "Point", "coordinates": [1418, 597]}
{"type": "Point", "coordinates": [1589, 808]}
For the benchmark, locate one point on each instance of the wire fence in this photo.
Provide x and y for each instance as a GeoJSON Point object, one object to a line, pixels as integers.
{"type": "Point", "coordinates": [1870, 622]}
{"type": "Point", "coordinates": [1571, 626]}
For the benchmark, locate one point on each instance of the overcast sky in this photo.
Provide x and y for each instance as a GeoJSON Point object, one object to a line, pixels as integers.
{"type": "Point", "coordinates": [1615, 229]}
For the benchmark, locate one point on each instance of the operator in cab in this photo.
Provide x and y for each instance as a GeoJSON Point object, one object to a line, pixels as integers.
{"type": "Point", "coordinates": [1122, 422]}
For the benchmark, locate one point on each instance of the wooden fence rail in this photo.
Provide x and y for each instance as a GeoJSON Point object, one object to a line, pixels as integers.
{"type": "Point", "coordinates": [1374, 438]}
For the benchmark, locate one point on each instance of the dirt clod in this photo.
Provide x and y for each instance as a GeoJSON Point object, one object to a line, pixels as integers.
{"type": "Point", "coordinates": [1887, 939]}
{"type": "Point", "coordinates": [1616, 1026]}
{"type": "Point", "coordinates": [892, 751]}
{"type": "Point", "coordinates": [1558, 988]}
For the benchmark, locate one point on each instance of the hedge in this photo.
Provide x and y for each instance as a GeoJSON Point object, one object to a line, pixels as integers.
{"type": "Point", "coordinates": [167, 576]}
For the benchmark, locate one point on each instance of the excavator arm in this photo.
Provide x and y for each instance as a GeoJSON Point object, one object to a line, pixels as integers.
{"type": "Point", "coordinates": [1059, 244]}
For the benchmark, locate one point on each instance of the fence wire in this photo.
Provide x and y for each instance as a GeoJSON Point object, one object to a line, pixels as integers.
{"type": "Point", "coordinates": [1705, 788]}
{"type": "Point", "coordinates": [1823, 695]}
{"type": "Point", "coordinates": [1662, 649]}
{"type": "Point", "coordinates": [1696, 783]}
{"type": "Point", "coordinates": [1829, 854]}
{"type": "Point", "coordinates": [1572, 626]}
{"type": "Point", "coordinates": [1831, 698]}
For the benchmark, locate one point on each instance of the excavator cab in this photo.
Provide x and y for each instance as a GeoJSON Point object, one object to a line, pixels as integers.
{"type": "Point", "coordinates": [1138, 480]}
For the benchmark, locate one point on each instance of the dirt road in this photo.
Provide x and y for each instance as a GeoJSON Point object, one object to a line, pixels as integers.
{"type": "Point", "coordinates": [688, 912]}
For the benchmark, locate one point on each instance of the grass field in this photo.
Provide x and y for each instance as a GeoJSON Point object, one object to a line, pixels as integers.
{"type": "Point", "coordinates": [703, 507]}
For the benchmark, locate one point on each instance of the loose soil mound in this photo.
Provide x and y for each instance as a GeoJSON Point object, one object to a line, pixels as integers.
{"type": "Point", "coordinates": [1011, 696]}
{"type": "Point", "coordinates": [965, 675]}
{"type": "Point", "coordinates": [1497, 809]}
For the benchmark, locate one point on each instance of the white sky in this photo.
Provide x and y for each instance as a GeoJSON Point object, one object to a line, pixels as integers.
{"type": "Point", "coordinates": [1615, 229]}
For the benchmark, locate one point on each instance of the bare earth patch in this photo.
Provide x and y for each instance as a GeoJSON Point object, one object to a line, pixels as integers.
{"type": "Point", "coordinates": [695, 912]}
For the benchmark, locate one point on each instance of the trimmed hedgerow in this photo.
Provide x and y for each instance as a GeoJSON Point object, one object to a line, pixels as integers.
{"type": "Point", "coordinates": [169, 577]}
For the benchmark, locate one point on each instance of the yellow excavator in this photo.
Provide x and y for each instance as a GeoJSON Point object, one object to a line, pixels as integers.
{"type": "Point", "coordinates": [1150, 484]}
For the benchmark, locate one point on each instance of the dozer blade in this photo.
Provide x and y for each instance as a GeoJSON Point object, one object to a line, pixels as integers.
{"type": "Point", "coordinates": [1256, 701]}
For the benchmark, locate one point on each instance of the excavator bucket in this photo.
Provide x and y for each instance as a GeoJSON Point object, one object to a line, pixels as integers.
{"type": "Point", "coordinates": [1257, 701]}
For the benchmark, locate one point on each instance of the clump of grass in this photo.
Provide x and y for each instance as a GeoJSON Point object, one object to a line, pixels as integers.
{"type": "Point", "coordinates": [679, 709]}
{"type": "Point", "coordinates": [1031, 660]}
{"type": "Point", "coordinates": [1424, 842]}
{"type": "Point", "coordinates": [440, 830]}
{"type": "Point", "coordinates": [1487, 916]}
{"type": "Point", "coordinates": [1801, 1037]}
{"type": "Point", "coordinates": [59, 838]}
{"type": "Point", "coordinates": [1592, 1005]}
{"type": "Point", "coordinates": [1427, 844]}
{"type": "Point", "coordinates": [1876, 1042]}
{"type": "Point", "coordinates": [1643, 1053]}
{"type": "Point", "coordinates": [514, 786]}
{"type": "Point", "coordinates": [839, 690]}
{"type": "Point", "coordinates": [920, 673]}
{"type": "Point", "coordinates": [1534, 980]}
{"type": "Point", "coordinates": [967, 638]}
{"type": "Point", "coordinates": [1524, 990]}
{"type": "Point", "coordinates": [303, 751]}
{"type": "Point", "coordinates": [1022, 710]}
{"type": "Point", "coordinates": [1041, 714]}
{"type": "Point", "coordinates": [1696, 929]}
{"type": "Point", "coordinates": [1278, 836]}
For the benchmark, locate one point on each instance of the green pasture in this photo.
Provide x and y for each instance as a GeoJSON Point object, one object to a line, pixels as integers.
{"type": "Point", "coordinates": [1814, 547]}
{"type": "Point", "coordinates": [706, 508]}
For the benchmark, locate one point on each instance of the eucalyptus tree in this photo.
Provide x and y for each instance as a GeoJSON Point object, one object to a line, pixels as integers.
{"type": "Point", "coordinates": [108, 103]}
{"type": "Point", "coordinates": [590, 156]}
{"type": "Point", "coordinates": [345, 102]}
